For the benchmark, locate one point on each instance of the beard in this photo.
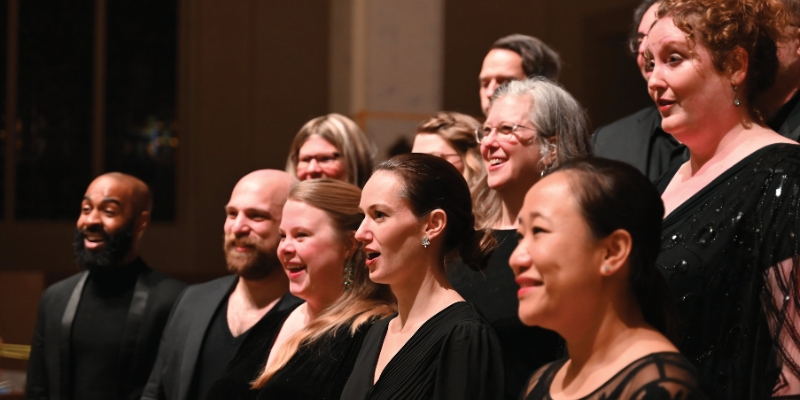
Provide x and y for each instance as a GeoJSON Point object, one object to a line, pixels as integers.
{"type": "Point", "coordinates": [110, 255]}
{"type": "Point", "coordinates": [254, 265]}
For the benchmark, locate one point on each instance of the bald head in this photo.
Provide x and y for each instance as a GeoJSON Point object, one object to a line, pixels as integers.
{"type": "Point", "coordinates": [141, 198]}
{"type": "Point", "coordinates": [251, 227]}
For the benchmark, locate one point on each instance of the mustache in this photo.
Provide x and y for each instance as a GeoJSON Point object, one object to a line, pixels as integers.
{"type": "Point", "coordinates": [240, 242]}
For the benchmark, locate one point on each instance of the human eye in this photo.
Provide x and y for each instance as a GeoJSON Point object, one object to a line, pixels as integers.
{"type": "Point", "coordinates": [506, 129]}
{"type": "Point", "coordinates": [378, 215]}
{"type": "Point", "coordinates": [674, 59]}
{"type": "Point", "coordinates": [110, 212]}
{"type": "Point", "coordinates": [537, 230]}
{"type": "Point", "coordinates": [86, 208]}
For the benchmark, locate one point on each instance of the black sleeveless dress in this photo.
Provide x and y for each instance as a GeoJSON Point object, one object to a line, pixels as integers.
{"type": "Point", "coordinates": [720, 251]}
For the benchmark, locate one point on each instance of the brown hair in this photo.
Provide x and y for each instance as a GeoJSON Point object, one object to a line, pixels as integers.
{"type": "Point", "coordinates": [722, 26]}
{"type": "Point", "coordinates": [431, 183]}
{"type": "Point", "coordinates": [538, 59]}
{"type": "Point", "coordinates": [346, 136]}
{"type": "Point", "coordinates": [365, 302]}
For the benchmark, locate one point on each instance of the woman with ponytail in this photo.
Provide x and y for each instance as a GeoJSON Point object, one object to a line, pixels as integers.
{"type": "Point", "coordinates": [585, 264]}
{"type": "Point", "coordinates": [316, 348]}
{"type": "Point", "coordinates": [418, 215]}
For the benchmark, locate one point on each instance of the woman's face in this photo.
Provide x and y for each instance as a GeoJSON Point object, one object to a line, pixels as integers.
{"type": "Point", "coordinates": [691, 95]}
{"type": "Point", "coordinates": [435, 145]}
{"type": "Point", "coordinates": [313, 253]}
{"type": "Point", "coordinates": [557, 261]}
{"type": "Point", "coordinates": [514, 163]}
{"type": "Point", "coordinates": [318, 158]}
{"type": "Point", "coordinates": [391, 235]}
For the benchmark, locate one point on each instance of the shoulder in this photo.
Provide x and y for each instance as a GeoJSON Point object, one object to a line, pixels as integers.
{"type": "Point", "coordinates": [538, 385]}
{"type": "Point", "coordinates": [464, 323]}
{"type": "Point", "coordinates": [161, 285]}
{"type": "Point", "coordinates": [778, 158]}
{"type": "Point", "coordinates": [61, 290]}
{"type": "Point", "coordinates": [668, 374]}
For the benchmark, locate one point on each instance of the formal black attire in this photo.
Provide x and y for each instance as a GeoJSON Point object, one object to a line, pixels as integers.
{"type": "Point", "coordinates": [175, 372]}
{"type": "Point", "coordinates": [787, 120]}
{"type": "Point", "coordinates": [639, 141]}
{"type": "Point", "coordinates": [100, 325]}
{"type": "Point", "coordinates": [453, 355]}
{"type": "Point", "coordinates": [320, 369]}
{"type": "Point", "coordinates": [720, 252]}
{"type": "Point", "coordinates": [494, 292]}
{"type": "Point", "coordinates": [657, 376]}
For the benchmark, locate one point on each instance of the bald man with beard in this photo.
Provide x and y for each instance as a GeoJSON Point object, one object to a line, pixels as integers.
{"type": "Point", "coordinates": [98, 331]}
{"type": "Point", "coordinates": [220, 333]}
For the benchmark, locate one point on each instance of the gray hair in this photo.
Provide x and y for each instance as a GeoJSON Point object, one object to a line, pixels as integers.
{"type": "Point", "coordinates": [561, 123]}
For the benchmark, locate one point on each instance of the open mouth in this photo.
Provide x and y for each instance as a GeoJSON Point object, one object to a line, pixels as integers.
{"type": "Point", "coordinates": [496, 161]}
{"type": "Point", "coordinates": [662, 103]}
{"type": "Point", "coordinates": [373, 255]}
{"type": "Point", "coordinates": [294, 269]}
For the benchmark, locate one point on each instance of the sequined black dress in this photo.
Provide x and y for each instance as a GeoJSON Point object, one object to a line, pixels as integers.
{"type": "Point", "coordinates": [722, 252]}
{"type": "Point", "coordinates": [657, 376]}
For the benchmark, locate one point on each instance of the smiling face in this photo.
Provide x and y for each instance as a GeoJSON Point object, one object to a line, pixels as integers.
{"type": "Point", "coordinates": [318, 158]}
{"type": "Point", "coordinates": [499, 67]}
{"type": "Point", "coordinates": [691, 95]}
{"type": "Point", "coordinates": [433, 144]}
{"type": "Point", "coordinates": [513, 165]}
{"type": "Point", "coordinates": [391, 234]}
{"type": "Point", "coordinates": [313, 253]}
{"type": "Point", "coordinates": [557, 261]}
{"type": "Point", "coordinates": [105, 227]}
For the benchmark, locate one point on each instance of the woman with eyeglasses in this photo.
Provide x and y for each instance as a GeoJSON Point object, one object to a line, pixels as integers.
{"type": "Point", "coordinates": [532, 126]}
{"type": "Point", "coordinates": [331, 146]}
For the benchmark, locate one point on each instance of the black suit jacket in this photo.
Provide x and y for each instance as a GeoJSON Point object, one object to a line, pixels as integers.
{"type": "Point", "coordinates": [791, 126]}
{"type": "Point", "coordinates": [48, 368]}
{"type": "Point", "coordinates": [636, 139]}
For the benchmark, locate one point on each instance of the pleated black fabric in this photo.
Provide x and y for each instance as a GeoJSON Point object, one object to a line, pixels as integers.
{"type": "Point", "coordinates": [454, 355]}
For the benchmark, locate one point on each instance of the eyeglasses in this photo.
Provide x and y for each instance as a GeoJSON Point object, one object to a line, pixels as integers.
{"type": "Point", "coordinates": [322, 159]}
{"type": "Point", "coordinates": [504, 132]}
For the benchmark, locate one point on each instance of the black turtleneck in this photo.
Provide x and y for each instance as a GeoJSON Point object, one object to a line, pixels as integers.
{"type": "Point", "coordinates": [98, 329]}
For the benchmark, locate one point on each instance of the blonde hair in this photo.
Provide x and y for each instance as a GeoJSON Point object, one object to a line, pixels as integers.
{"type": "Point", "coordinates": [365, 302]}
{"type": "Point", "coordinates": [356, 149]}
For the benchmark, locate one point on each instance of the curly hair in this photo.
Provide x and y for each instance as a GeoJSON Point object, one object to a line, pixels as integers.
{"type": "Point", "coordinates": [722, 26]}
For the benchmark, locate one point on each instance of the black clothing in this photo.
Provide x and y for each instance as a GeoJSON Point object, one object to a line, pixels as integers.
{"type": "Point", "coordinates": [97, 332]}
{"type": "Point", "coordinates": [55, 369]}
{"type": "Point", "coordinates": [720, 252]}
{"type": "Point", "coordinates": [319, 370]}
{"type": "Point", "coordinates": [453, 355]}
{"type": "Point", "coordinates": [639, 141]}
{"type": "Point", "coordinates": [247, 364]}
{"type": "Point", "coordinates": [494, 292]}
{"type": "Point", "coordinates": [657, 376]}
{"type": "Point", "coordinates": [219, 348]}
{"type": "Point", "coordinates": [787, 120]}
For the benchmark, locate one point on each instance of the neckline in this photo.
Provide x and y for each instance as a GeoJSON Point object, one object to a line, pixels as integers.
{"type": "Point", "coordinates": [687, 206]}
{"type": "Point", "coordinates": [617, 374]}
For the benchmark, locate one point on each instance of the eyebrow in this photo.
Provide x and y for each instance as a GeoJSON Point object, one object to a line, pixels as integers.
{"type": "Point", "coordinates": [105, 200]}
{"type": "Point", "coordinates": [535, 214]}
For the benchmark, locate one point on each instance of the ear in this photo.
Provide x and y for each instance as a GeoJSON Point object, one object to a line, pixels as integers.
{"type": "Point", "coordinates": [737, 66]}
{"type": "Point", "coordinates": [435, 223]}
{"type": "Point", "coordinates": [141, 222]}
{"type": "Point", "coordinates": [550, 158]}
{"type": "Point", "coordinates": [616, 248]}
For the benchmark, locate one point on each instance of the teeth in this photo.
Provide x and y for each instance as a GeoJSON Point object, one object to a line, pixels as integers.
{"type": "Point", "coordinates": [296, 269]}
{"type": "Point", "coordinates": [495, 161]}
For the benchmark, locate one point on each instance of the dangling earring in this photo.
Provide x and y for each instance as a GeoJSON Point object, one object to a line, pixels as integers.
{"type": "Point", "coordinates": [348, 276]}
{"type": "Point", "coordinates": [736, 101]}
{"type": "Point", "coordinates": [426, 242]}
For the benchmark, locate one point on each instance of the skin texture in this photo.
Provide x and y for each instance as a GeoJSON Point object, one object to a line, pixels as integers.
{"type": "Point", "coordinates": [499, 66]}
{"type": "Point", "coordinates": [314, 149]}
{"type": "Point", "coordinates": [433, 144]}
{"type": "Point", "coordinates": [648, 19]}
{"type": "Point", "coordinates": [310, 241]}
{"type": "Point", "coordinates": [110, 203]}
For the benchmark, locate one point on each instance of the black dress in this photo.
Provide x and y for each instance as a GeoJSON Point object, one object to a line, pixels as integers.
{"type": "Point", "coordinates": [657, 376]}
{"type": "Point", "coordinates": [453, 355]}
{"type": "Point", "coordinates": [494, 292]}
{"type": "Point", "coordinates": [720, 252]}
{"type": "Point", "coordinates": [318, 371]}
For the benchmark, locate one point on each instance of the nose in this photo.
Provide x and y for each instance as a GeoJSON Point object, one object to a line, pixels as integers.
{"type": "Point", "coordinates": [655, 81]}
{"type": "Point", "coordinates": [240, 226]}
{"type": "Point", "coordinates": [286, 248]}
{"type": "Point", "coordinates": [520, 261]}
{"type": "Point", "coordinates": [362, 235]}
{"type": "Point", "coordinates": [314, 167]}
{"type": "Point", "coordinates": [89, 219]}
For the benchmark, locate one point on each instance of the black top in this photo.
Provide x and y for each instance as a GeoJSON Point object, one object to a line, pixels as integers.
{"type": "Point", "coordinates": [453, 355]}
{"type": "Point", "coordinates": [97, 332]}
{"type": "Point", "coordinates": [717, 249]}
{"type": "Point", "coordinates": [657, 376]}
{"type": "Point", "coordinates": [639, 141]}
{"type": "Point", "coordinates": [494, 292]}
{"type": "Point", "coordinates": [219, 348]}
{"type": "Point", "coordinates": [786, 120]}
{"type": "Point", "coordinates": [252, 354]}
{"type": "Point", "coordinates": [319, 370]}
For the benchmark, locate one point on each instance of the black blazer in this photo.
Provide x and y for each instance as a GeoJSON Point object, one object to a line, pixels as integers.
{"type": "Point", "coordinates": [183, 339]}
{"type": "Point", "coordinates": [48, 368]}
{"type": "Point", "coordinates": [632, 139]}
{"type": "Point", "coordinates": [791, 127]}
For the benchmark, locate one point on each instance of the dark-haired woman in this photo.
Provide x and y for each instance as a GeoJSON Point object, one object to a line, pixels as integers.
{"type": "Point", "coordinates": [419, 213]}
{"type": "Point", "coordinates": [585, 264]}
{"type": "Point", "coordinates": [731, 236]}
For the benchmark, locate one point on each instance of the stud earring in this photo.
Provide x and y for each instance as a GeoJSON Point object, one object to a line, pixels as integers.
{"type": "Point", "coordinates": [736, 101]}
{"type": "Point", "coordinates": [426, 242]}
{"type": "Point", "coordinates": [348, 276]}
{"type": "Point", "coordinates": [606, 268]}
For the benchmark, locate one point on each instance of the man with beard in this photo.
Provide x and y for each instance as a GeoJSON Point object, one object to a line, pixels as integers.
{"type": "Point", "coordinates": [97, 332]}
{"type": "Point", "coordinates": [220, 332]}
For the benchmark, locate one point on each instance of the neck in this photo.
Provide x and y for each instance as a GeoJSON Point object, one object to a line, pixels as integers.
{"type": "Point", "coordinates": [719, 141]}
{"type": "Point", "coordinates": [509, 208]}
{"type": "Point", "coordinates": [418, 299]}
{"type": "Point", "coordinates": [260, 293]}
{"type": "Point", "coordinates": [316, 306]}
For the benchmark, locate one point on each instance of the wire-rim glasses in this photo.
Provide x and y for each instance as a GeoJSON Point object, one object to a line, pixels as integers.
{"type": "Point", "coordinates": [504, 132]}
